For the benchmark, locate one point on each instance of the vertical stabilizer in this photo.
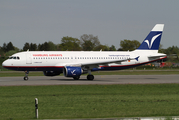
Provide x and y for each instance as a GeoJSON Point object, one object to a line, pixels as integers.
{"type": "Point", "coordinates": [152, 41]}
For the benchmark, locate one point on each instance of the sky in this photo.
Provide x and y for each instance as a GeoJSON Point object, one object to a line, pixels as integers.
{"type": "Point", "coordinates": [39, 21]}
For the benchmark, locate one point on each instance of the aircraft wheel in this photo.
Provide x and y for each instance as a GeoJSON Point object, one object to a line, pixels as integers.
{"type": "Point", "coordinates": [90, 77]}
{"type": "Point", "coordinates": [76, 78]}
{"type": "Point", "coordinates": [26, 78]}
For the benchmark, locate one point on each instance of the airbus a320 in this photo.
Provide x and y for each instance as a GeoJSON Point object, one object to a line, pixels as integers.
{"type": "Point", "coordinates": [75, 63]}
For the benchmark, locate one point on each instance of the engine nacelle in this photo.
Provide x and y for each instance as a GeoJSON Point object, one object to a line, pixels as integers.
{"type": "Point", "coordinates": [51, 73]}
{"type": "Point", "coordinates": [69, 71]}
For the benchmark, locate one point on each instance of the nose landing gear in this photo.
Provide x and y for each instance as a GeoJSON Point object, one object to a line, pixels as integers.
{"type": "Point", "coordinates": [26, 75]}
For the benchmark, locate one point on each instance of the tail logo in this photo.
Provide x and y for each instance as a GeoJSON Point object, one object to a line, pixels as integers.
{"type": "Point", "coordinates": [152, 40]}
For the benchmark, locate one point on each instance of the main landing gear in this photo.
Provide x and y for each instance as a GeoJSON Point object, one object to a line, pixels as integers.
{"type": "Point", "coordinates": [26, 75]}
{"type": "Point", "coordinates": [76, 78]}
{"type": "Point", "coordinates": [90, 76]}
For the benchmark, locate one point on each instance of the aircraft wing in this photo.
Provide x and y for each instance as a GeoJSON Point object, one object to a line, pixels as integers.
{"type": "Point", "coordinates": [108, 62]}
{"type": "Point", "coordinates": [98, 63]}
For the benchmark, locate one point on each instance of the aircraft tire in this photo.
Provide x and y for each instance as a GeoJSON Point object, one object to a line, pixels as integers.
{"type": "Point", "coordinates": [26, 78]}
{"type": "Point", "coordinates": [90, 77]}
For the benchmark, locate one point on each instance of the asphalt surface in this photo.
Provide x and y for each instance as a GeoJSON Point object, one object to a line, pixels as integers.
{"type": "Point", "coordinates": [99, 79]}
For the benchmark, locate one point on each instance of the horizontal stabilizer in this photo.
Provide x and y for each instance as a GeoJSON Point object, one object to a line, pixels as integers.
{"type": "Point", "coordinates": [157, 55]}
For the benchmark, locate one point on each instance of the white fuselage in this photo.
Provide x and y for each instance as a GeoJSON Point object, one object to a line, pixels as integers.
{"type": "Point", "coordinates": [51, 60]}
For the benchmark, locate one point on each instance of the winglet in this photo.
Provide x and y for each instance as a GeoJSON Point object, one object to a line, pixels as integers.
{"type": "Point", "coordinates": [137, 58]}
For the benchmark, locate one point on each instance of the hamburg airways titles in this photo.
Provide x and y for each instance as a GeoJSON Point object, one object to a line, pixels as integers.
{"type": "Point", "coordinates": [46, 55]}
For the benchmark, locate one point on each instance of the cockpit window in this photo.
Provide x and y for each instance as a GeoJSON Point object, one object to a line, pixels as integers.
{"type": "Point", "coordinates": [14, 57]}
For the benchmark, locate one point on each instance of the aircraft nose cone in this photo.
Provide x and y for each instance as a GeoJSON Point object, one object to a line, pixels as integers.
{"type": "Point", "coordinates": [4, 64]}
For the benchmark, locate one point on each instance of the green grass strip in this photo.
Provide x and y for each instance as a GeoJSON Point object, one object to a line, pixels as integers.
{"type": "Point", "coordinates": [89, 101]}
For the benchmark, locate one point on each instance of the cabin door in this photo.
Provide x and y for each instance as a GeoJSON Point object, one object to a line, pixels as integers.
{"type": "Point", "coordinates": [28, 58]}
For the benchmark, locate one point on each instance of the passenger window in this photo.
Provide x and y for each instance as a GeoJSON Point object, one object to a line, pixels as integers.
{"type": "Point", "coordinates": [19, 58]}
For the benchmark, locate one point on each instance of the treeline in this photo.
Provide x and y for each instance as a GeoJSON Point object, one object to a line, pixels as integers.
{"type": "Point", "coordinates": [85, 43]}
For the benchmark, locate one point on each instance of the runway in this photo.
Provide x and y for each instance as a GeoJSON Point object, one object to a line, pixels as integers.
{"type": "Point", "coordinates": [99, 80]}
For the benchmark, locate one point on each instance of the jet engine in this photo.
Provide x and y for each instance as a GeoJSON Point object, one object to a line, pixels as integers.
{"type": "Point", "coordinates": [51, 73]}
{"type": "Point", "coordinates": [70, 71]}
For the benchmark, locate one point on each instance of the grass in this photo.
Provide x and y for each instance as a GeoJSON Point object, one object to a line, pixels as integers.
{"type": "Point", "coordinates": [119, 72]}
{"type": "Point", "coordinates": [89, 101]}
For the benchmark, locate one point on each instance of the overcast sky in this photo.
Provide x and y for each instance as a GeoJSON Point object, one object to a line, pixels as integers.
{"type": "Point", "coordinates": [39, 21]}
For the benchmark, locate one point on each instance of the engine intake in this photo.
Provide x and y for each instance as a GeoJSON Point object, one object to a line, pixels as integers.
{"type": "Point", "coordinates": [69, 71]}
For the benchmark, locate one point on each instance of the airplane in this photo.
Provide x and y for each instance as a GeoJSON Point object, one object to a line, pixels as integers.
{"type": "Point", "coordinates": [75, 63]}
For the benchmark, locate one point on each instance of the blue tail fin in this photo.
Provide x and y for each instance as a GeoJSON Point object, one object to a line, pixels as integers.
{"type": "Point", "coordinates": [152, 41]}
